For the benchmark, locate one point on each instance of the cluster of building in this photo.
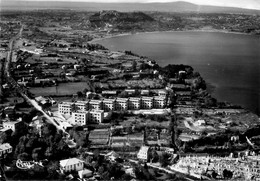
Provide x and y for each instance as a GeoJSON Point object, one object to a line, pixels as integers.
{"type": "Point", "coordinates": [93, 110]}
{"type": "Point", "coordinates": [199, 164]}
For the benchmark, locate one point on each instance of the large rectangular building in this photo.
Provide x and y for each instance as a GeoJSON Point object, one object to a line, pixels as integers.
{"type": "Point", "coordinates": [79, 118]}
{"type": "Point", "coordinates": [108, 105]}
{"type": "Point", "coordinates": [95, 104]}
{"type": "Point", "coordinates": [134, 103]}
{"type": "Point", "coordinates": [65, 107]}
{"type": "Point", "coordinates": [146, 102]}
{"type": "Point", "coordinates": [96, 116]}
{"type": "Point", "coordinates": [159, 102]}
{"type": "Point", "coordinates": [82, 118]}
{"type": "Point", "coordinates": [82, 105]}
{"type": "Point", "coordinates": [121, 104]}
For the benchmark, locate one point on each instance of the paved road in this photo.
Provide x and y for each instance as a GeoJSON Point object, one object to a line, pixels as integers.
{"type": "Point", "coordinates": [20, 89]}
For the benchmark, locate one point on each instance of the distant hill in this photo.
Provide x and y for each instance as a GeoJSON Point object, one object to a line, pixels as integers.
{"type": "Point", "coordinates": [113, 17]}
{"type": "Point", "coordinates": [163, 7]}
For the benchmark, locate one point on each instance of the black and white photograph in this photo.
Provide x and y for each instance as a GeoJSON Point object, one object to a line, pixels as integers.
{"type": "Point", "coordinates": [129, 90]}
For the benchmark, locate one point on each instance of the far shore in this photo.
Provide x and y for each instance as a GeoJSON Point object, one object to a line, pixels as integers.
{"type": "Point", "coordinates": [107, 36]}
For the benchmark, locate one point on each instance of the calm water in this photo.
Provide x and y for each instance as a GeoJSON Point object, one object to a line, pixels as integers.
{"type": "Point", "coordinates": [230, 62]}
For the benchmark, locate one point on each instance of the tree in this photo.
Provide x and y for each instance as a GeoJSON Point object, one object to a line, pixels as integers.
{"type": "Point", "coordinates": [163, 159]}
{"type": "Point", "coordinates": [80, 94]}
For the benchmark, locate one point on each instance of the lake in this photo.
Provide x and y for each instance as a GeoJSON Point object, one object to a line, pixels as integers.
{"type": "Point", "coordinates": [229, 62]}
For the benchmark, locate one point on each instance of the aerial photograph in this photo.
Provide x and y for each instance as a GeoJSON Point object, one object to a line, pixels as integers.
{"type": "Point", "coordinates": [129, 90]}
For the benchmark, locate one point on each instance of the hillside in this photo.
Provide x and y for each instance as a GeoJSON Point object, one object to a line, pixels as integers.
{"type": "Point", "coordinates": [87, 6]}
{"type": "Point", "coordinates": [114, 18]}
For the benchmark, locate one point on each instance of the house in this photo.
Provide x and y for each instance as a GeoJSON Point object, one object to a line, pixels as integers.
{"type": "Point", "coordinates": [10, 111]}
{"type": "Point", "coordinates": [5, 149]}
{"type": "Point", "coordinates": [71, 164]}
{"type": "Point", "coordinates": [42, 100]}
{"type": "Point", "coordinates": [112, 156]}
{"type": "Point", "coordinates": [143, 153]}
{"type": "Point", "coordinates": [13, 125]}
{"type": "Point", "coordinates": [85, 173]}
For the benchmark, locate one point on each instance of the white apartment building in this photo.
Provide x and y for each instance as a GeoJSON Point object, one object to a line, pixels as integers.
{"type": "Point", "coordinates": [146, 102]}
{"type": "Point", "coordinates": [108, 105]}
{"type": "Point", "coordinates": [82, 105]}
{"type": "Point", "coordinates": [121, 104]}
{"type": "Point", "coordinates": [79, 118]}
{"type": "Point", "coordinates": [159, 102]}
{"type": "Point", "coordinates": [65, 107]}
{"type": "Point", "coordinates": [96, 116]}
{"type": "Point", "coordinates": [95, 104]}
{"type": "Point", "coordinates": [134, 103]}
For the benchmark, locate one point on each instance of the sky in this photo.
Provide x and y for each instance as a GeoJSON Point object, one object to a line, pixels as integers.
{"type": "Point", "coordinates": [248, 4]}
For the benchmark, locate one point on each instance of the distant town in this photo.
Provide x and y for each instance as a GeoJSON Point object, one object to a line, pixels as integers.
{"type": "Point", "coordinates": [71, 109]}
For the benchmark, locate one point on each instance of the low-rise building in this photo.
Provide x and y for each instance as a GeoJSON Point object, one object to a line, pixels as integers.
{"type": "Point", "coordinates": [13, 125]}
{"type": "Point", "coordinates": [5, 149]}
{"type": "Point", "coordinates": [71, 164]}
{"type": "Point", "coordinates": [143, 153]}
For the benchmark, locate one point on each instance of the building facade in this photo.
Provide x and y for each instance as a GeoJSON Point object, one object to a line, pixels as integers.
{"type": "Point", "coordinates": [134, 103]}
{"type": "Point", "coordinates": [65, 107]}
{"type": "Point", "coordinates": [71, 164]}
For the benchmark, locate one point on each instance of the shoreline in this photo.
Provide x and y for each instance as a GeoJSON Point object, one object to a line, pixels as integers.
{"type": "Point", "coordinates": [167, 31]}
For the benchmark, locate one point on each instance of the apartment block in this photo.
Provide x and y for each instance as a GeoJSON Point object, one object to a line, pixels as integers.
{"type": "Point", "coordinates": [65, 107]}
{"type": "Point", "coordinates": [82, 105]}
{"type": "Point", "coordinates": [108, 105]}
{"type": "Point", "coordinates": [146, 102]}
{"type": "Point", "coordinates": [121, 104]}
{"type": "Point", "coordinates": [79, 118]}
{"type": "Point", "coordinates": [96, 116]}
{"type": "Point", "coordinates": [134, 103]}
{"type": "Point", "coordinates": [95, 104]}
{"type": "Point", "coordinates": [159, 102]}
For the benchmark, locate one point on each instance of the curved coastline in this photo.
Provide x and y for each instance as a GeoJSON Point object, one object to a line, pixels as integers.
{"type": "Point", "coordinates": [168, 31]}
{"type": "Point", "coordinates": [214, 86]}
